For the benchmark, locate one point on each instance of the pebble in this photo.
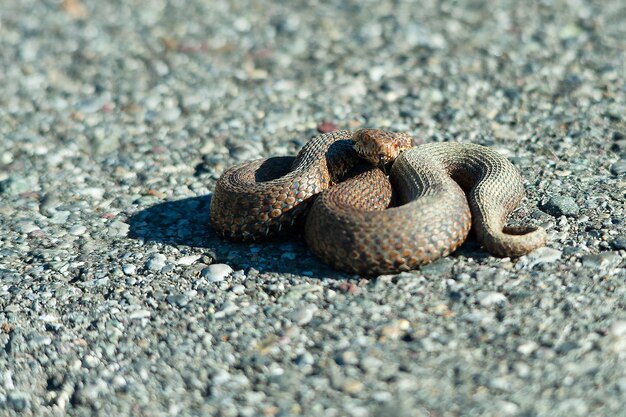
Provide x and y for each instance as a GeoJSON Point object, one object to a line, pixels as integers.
{"type": "Point", "coordinates": [60, 217]}
{"type": "Point", "coordinates": [49, 202]}
{"type": "Point", "coordinates": [220, 377]}
{"type": "Point", "coordinates": [395, 329]}
{"type": "Point", "coordinates": [129, 269]}
{"type": "Point", "coordinates": [619, 167]}
{"type": "Point", "coordinates": [439, 267]}
{"type": "Point", "coordinates": [618, 328]}
{"type": "Point", "coordinates": [326, 127]}
{"type": "Point", "coordinates": [302, 316]}
{"type": "Point", "coordinates": [156, 262]}
{"type": "Point", "coordinates": [188, 260]}
{"type": "Point", "coordinates": [488, 299]}
{"type": "Point", "coordinates": [89, 393]}
{"type": "Point", "coordinates": [244, 152]}
{"type": "Point", "coordinates": [97, 193]}
{"type": "Point", "coordinates": [118, 229]}
{"type": "Point", "coordinates": [619, 243]}
{"type": "Point", "coordinates": [26, 227]}
{"type": "Point", "coordinates": [90, 361]}
{"type": "Point", "coordinates": [371, 364]}
{"type": "Point", "coordinates": [226, 309]}
{"type": "Point", "coordinates": [139, 314]}
{"type": "Point", "coordinates": [347, 357]}
{"type": "Point", "coordinates": [544, 255]}
{"type": "Point", "coordinates": [16, 184]}
{"type": "Point", "coordinates": [558, 206]}
{"type": "Point", "coordinates": [527, 348]}
{"type": "Point", "coordinates": [216, 272]}
{"type": "Point", "coordinates": [19, 401]}
{"type": "Point", "coordinates": [602, 260]}
{"type": "Point", "coordinates": [39, 341]}
{"type": "Point", "coordinates": [239, 289]}
{"type": "Point", "coordinates": [304, 359]}
{"type": "Point", "coordinates": [77, 230]}
{"type": "Point", "coordinates": [178, 300]}
{"type": "Point", "coordinates": [296, 292]}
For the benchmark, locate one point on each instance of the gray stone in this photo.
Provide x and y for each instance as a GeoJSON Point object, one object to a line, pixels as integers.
{"type": "Point", "coordinates": [441, 266]}
{"type": "Point", "coordinates": [49, 202]}
{"type": "Point", "coordinates": [139, 314]}
{"type": "Point", "coordinates": [619, 243]}
{"type": "Point", "coordinates": [302, 316]}
{"type": "Point", "coordinates": [543, 255]}
{"type": "Point", "coordinates": [129, 269]}
{"type": "Point", "coordinates": [19, 401]}
{"type": "Point", "coordinates": [77, 230]}
{"type": "Point", "coordinates": [26, 227]}
{"type": "Point", "coordinates": [118, 229]}
{"type": "Point", "coordinates": [239, 289]}
{"type": "Point", "coordinates": [16, 185]}
{"type": "Point", "coordinates": [488, 299]}
{"type": "Point", "coordinates": [39, 341]}
{"type": "Point", "coordinates": [156, 262]}
{"type": "Point", "coordinates": [602, 260]}
{"type": "Point", "coordinates": [561, 206]}
{"type": "Point", "coordinates": [226, 309]}
{"type": "Point", "coordinates": [619, 167]}
{"type": "Point", "coordinates": [60, 217]}
{"type": "Point", "coordinates": [178, 300]}
{"type": "Point", "coordinates": [188, 260]}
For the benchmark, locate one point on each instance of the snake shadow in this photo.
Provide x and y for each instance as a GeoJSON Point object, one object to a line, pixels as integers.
{"type": "Point", "coordinates": [186, 223]}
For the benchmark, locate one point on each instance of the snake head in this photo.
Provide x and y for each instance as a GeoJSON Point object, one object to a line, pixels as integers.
{"type": "Point", "coordinates": [380, 147]}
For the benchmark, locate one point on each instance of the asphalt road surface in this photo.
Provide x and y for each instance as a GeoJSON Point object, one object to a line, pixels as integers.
{"type": "Point", "coordinates": [117, 298]}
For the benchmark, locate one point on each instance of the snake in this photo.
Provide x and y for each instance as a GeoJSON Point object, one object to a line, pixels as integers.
{"type": "Point", "coordinates": [360, 220]}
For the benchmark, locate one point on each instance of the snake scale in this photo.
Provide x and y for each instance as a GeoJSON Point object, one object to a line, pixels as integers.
{"type": "Point", "coordinates": [359, 221]}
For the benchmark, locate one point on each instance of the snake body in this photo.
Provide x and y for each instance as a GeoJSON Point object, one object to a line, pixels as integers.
{"type": "Point", "coordinates": [360, 222]}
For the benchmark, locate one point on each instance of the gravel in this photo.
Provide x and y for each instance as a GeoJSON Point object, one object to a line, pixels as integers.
{"type": "Point", "coordinates": [117, 297]}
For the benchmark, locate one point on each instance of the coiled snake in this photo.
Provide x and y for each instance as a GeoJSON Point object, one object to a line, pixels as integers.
{"type": "Point", "coordinates": [359, 221]}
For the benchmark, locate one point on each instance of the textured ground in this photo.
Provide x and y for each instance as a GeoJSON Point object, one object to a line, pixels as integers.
{"type": "Point", "coordinates": [116, 298]}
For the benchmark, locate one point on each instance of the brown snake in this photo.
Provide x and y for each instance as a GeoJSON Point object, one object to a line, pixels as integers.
{"type": "Point", "coordinates": [362, 222]}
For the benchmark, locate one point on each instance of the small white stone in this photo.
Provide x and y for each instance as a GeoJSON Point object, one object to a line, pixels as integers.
{"type": "Point", "coordinates": [491, 298]}
{"type": "Point", "coordinates": [27, 227]}
{"type": "Point", "coordinates": [118, 228]}
{"type": "Point", "coordinates": [94, 192]}
{"type": "Point", "coordinates": [78, 230]}
{"type": "Point", "coordinates": [60, 217]}
{"type": "Point", "coordinates": [539, 256]}
{"type": "Point", "coordinates": [188, 260]}
{"type": "Point", "coordinates": [220, 377]}
{"type": "Point", "coordinates": [129, 269]}
{"type": "Point", "coordinates": [90, 361]}
{"type": "Point", "coordinates": [228, 308]}
{"type": "Point", "coordinates": [239, 289]}
{"type": "Point", "coordinates": [140, 314]}
{"type": "Point", "coordinates": [156, 262]}
{"type": "Point", "coordinates": [303, 315]}
{"type": "Point", "coordinates": [216, 272]}
{"type": "Point", "coordinates": [618, 328]}
{"type": "Point", "coordinates": [527, 348]}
